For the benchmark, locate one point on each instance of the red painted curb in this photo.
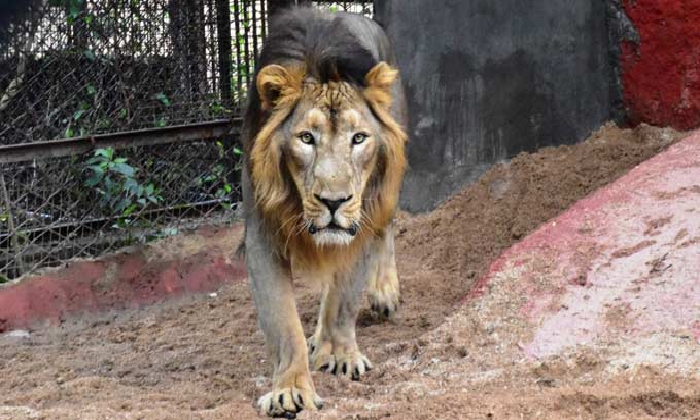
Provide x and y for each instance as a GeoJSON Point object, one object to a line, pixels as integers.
{"type": "Point", "coordinates": [123, 280]}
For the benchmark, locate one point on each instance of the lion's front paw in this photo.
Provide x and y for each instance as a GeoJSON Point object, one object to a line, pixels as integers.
{"type": "Point", "coordinates": [383, 297]}
{"type": "Point", "coordinates": [286, 401]}
{"type": "Point", "coordinates": [320, 353]}
{"type": "Point", "coordinates": [350, 364]}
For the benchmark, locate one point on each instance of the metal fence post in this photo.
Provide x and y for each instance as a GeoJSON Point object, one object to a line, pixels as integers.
{"type": "Point", "coordinates": [11, 224]}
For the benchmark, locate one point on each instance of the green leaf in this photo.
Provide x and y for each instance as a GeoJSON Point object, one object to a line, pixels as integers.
{"type": "Point", "coordinates": [122, 204]}
{"type": "Point", "coordinates": [131, 186]}
{"type": "Point", "coordinates": [141, 201]}
{"type": "Point", "coordinates": [89, 55]}
{"type": "Point", "coordinates": [120, 160]}
{"type": "Point", "coordinates": [226, 206]}
{"type": "Point", "coordinates": [68, 133]}
{"type": "Point", "coordinates": [97, 174]}
{"type": "Point", "coordinates": [161, 97]}
{"type": "Point", "coordinates": [109, 184]}
{"type": "Point", "coordinates": [130, 209]}
{"type": "Point", "coordinates": [107, 153]}
{"type": "Point", "coordinates": [149, 189]}
{"type": "Point", "coordinates": [237, 151]}
{"type": "Point", "coordinates": [124, 169]}
{"type": "Point", "coordinates": [227, 188]}
{"type": "Point", "coordinates": [73, 10]}
{"type": "Point", "coordinates": [122, 113]}
{"type": "Point", "coordinates": [161, 122]}
{"type": "Point", "coordinates": [90, 89]}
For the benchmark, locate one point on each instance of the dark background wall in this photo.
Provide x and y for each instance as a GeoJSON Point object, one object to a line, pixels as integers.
{"type": "Point", "coordinates": [487, 79]}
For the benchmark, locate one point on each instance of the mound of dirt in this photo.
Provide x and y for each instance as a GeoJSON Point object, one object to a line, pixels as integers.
{"type": "Point", "coordinates": [203, 357]}
{"type": "Point", "coordinates": [457, 241]}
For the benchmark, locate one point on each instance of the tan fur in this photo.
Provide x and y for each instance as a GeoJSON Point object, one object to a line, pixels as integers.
{"type": "Point", "coordinates": [294, 176]}
{"type": "Point", "coordinates": [281, 90]}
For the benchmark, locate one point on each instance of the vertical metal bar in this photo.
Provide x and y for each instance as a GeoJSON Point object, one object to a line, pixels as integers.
{"type": "Point", "coordinates": [212, 52]}
{"type": "Point", "coordinates": [263, 20]}
{"type": "Point", "coordinates": [11, 224]}
{"type": "Point", "coordinates": [254, 22]}
{"type": "Point", "coordinates": [237, 23]}
{"type": "Point", "coordinates": [246, 41]}
{"type": "Point", "coordinates": [223, 29]}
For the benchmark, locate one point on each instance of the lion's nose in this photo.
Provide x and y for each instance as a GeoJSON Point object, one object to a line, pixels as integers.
{"type": "Point", "coordinates": [332, 205]}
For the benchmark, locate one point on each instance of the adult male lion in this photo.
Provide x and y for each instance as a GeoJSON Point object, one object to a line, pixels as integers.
{"type": "Point", "coordinates": [324, 163]}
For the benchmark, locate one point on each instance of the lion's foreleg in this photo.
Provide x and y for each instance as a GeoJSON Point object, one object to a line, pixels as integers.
{"type": "Point", "coordinates": [271, 284]}
{"type": "Point", "coordinates": [383, 289]}
{"type": "Point", "coordinates": [334, 346]}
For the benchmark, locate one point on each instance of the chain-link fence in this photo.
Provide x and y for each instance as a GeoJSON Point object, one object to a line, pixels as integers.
{"type": "Point", "coordinates": [118, 120]}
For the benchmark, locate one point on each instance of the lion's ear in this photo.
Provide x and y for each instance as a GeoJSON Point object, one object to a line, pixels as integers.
{"type": "Point", "coordinates": [378, 82]}
{"type": "Point", "coordinates": [277, 84]}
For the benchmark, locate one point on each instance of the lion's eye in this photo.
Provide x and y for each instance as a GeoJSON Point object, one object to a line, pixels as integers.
{"type": "Point", "coordinates": [359, 138]}
{"type": "Point", "coordinates": [306, 138]}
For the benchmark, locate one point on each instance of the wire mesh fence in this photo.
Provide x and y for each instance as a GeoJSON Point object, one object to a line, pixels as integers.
{"type": "Point", "coordinates": [118, 120]}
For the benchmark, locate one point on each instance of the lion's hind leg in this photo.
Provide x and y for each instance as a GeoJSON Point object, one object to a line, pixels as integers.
{"type": "Point", "coordinates": [383, 290]}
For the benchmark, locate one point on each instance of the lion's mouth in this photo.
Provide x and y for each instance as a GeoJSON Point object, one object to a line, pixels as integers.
{"type": "Point", "coordinates": [333, 227]}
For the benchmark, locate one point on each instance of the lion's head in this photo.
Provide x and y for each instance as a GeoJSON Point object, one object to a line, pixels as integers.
{"type": "Point", "coordinates": [327, 164]}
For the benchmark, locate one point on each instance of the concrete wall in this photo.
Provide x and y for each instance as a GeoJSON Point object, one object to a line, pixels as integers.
{"type": "Point", "coordinates": [487, 79]}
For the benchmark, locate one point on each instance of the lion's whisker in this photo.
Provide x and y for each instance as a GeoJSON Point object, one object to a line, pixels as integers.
{"type": "Point", "coordinates": [291, 218]}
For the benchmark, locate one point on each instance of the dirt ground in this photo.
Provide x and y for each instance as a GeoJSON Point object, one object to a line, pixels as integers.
{"type": "Point", "coordinates": [203, 357]}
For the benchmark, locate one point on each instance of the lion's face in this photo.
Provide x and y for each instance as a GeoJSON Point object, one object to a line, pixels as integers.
{"type": "Point", "coordinates": [329, 160]}
{"type": "Point", "coordinates": [331, 146]}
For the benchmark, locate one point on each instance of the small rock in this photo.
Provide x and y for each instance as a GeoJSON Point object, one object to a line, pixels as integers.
{"type": "Point", "coordinates": [18, 334]}
{"type": "Point", "coordinates": [213, 295]}
{"type": "Point", "coordinates": [462, 352]}
{"type": "Point", "coordinates": [548, 382]}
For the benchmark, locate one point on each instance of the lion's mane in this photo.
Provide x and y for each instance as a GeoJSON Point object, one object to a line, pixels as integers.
{"type": "Point", "coordinates": [307, 43]}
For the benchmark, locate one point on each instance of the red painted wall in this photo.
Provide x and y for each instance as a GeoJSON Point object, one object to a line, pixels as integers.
{"type": "Point", "coordinates": [661, 75]}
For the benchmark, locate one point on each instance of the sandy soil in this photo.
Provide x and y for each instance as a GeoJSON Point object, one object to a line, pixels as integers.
{"type": "Point", "coordinates": [203, 357]}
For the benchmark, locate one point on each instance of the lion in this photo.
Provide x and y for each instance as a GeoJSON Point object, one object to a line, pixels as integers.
{"type": "Point", "coordinates": [324, 161]}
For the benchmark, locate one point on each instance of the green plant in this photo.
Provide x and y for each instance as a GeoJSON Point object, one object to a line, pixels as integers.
{"type": "Point", "coordinates": [115, 182]}
{"type": "Point", "coordinates": [218, 176]}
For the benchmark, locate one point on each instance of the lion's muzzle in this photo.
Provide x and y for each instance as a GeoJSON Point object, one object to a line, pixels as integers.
{"type": "Point", "coordinates": [334, 227]}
